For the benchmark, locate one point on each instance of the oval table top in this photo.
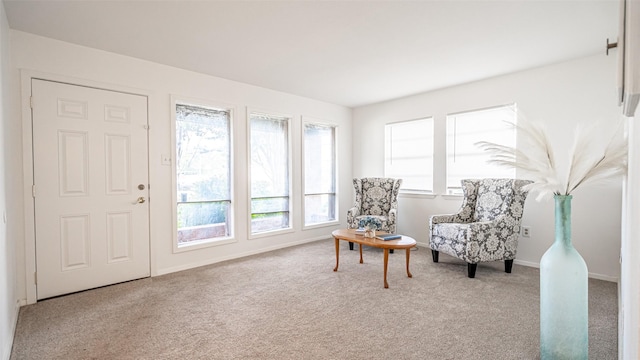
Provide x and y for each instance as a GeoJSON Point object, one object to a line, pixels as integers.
{"type": "Point", "coordinates": [404, 242]}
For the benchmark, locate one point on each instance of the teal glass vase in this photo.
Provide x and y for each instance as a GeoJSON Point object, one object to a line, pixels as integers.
{"type": "Point", "coordinates": [564, 310]}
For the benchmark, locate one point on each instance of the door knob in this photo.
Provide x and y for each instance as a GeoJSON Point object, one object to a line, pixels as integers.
{"type": "Point", "coordinates": [140, 200]}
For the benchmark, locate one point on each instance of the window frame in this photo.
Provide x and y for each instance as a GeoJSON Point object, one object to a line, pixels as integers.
{"type": "Point", "coordinates": [310, 121]}
{"type": "Point", "coordinates": [388, 155]}
{"type": "Point", "coordinates": [205, 243]}
{"type": "Point", "coordinates": [456, 192]}
{"type": "Point", "coordinates": [292, 198]}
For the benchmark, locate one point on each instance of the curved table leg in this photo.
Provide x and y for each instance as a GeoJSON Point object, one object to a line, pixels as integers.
{"type": "Point", "coordinates": [386, 261]}
{"type": "Point", "coordinates": [337, 253]}
{"type": "Point", "coordinates": [408, 272]}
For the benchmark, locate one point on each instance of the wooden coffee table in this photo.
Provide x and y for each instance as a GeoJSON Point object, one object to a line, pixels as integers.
{"type": "Point", "coordinates": [404, 242]}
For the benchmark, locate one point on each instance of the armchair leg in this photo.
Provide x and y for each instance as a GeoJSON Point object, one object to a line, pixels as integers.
{"type": "Point", "coordinates": [471, 270]}
{"type": "Point", "coordinates": [350, 245]}
{"type": "Point", "coordinates": [434, 255]}
{"type": "Point", "coordinates": [508, 264]}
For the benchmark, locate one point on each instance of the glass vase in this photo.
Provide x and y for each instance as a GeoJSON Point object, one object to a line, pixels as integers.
{"type": "Point", "coordinates": [369, 233]}
{"type": "Point", "coordinates": [564, 311]}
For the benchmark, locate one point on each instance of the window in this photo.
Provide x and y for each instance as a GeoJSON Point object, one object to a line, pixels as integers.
{"type": "Point", "coordinates": [464, 159]}
{"type": "Point", "coordinates": [319, 174]}
{"type": "Point", "coordinates": [269, 172]}
{"type": "Point", "coordinates": [408, 154]}
{"type": "Point", "coordinates": [203, 173]}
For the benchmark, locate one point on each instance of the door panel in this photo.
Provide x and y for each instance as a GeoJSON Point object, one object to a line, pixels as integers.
{"type": "Point", "coordinates": [90, 154]}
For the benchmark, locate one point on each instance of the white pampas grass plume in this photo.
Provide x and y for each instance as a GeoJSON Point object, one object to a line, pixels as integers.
{"type": "Point", "coordinates": [534, 158]}
{"type": "Point", "coordinates": [593, 163]}
{"type": "Point", "coordinates": [537, 162]}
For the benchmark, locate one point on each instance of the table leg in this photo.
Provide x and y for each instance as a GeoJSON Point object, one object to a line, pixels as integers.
{"type": "Point", "coordinates": [361, 261]}
{"type": "Point", "coordinates": [408, 272]}
{"type": "Point", "coordinates": [337, 253]}
{"type": "Point", "coordinates": [386, 262]}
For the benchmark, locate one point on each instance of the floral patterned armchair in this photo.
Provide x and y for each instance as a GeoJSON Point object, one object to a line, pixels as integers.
{"type": "Point", "coordinates": [376, 197]}
{"type": "Point", "coordinates": [487, 226]}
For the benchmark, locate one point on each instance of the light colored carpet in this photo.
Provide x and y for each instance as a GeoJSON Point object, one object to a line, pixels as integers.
{"type": "Point", "coordinates": [289, 304]}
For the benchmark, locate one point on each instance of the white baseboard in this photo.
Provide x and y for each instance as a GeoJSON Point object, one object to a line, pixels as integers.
{"type": "Point", "coordinates": [537, 266]}
{"type": "Point", "coordinates": [591, 275]}
{"type": "Point", "coordinates": [6, 354]}
{"type": "Point", "coordinates": [527, 263]}
{"type": "Point", "coordinates": [604, 277]}
{"type": "Point", "coordinates": [237, 256]}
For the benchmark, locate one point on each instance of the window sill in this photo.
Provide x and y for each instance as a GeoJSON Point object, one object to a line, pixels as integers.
{"type": "Point", "coordinates": [417, 195]}
{"type": "Point", "coordinates": [269, 233]}
{"type": "Point", "coordinates": [195, 245]}
{"type": "Point", "coordinates": [321, 225]}
{"type": "Point", "coordinates": [452, 197]}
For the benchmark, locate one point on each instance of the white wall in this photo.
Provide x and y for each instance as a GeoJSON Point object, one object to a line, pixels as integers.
{"type": "Point", "coordinates": [160, 82]}
{"type": "Point", "coordinates": [629, 296]}
{"type": "Point", "coordinates": [8, 237]}
{"type": "Point", "coordinates": [560, 95]}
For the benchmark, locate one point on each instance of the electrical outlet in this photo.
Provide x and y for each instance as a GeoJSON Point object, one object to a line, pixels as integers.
{"type": "Point", "coordinates": [526, 231]}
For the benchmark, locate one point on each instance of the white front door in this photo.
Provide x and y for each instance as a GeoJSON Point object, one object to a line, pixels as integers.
{"type": "Point", "coordinates": [91, 187]}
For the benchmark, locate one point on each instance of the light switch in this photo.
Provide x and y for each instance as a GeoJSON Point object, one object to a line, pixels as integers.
{"type": "Point", "coordinates": [165, 159]}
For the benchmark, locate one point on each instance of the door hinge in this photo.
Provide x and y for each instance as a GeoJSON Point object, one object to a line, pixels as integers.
{"type": "Point", "coordinates": [33, 190]}
{"type": "Point", "coordinates": [146, 127]}
{"type": "Point", "coordinates": [35, 278]}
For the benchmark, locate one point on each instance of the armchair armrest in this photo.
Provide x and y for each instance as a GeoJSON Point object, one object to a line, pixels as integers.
{"type": "Point", "coordinates": [463, 216]}
{"type": "Point", "coordinates": [392, 219]}
{"type": "Point", "coordinates": [393, 213]}
{"type": "Point", "coordinates": [443, 218]}
{"type": "Point", "coordinates": [498, 225]}
{"type": "Point", "coordinates": [351, 217]}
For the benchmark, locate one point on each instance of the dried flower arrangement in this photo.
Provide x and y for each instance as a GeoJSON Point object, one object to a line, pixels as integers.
{"type": "Point", "coordinates": [591, 160]}
{"type": "Point", "coordinates": [370, 222]}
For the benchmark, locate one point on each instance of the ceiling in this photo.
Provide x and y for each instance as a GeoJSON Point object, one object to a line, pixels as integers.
{"type": "Point", "coordinates": [350, 53]}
